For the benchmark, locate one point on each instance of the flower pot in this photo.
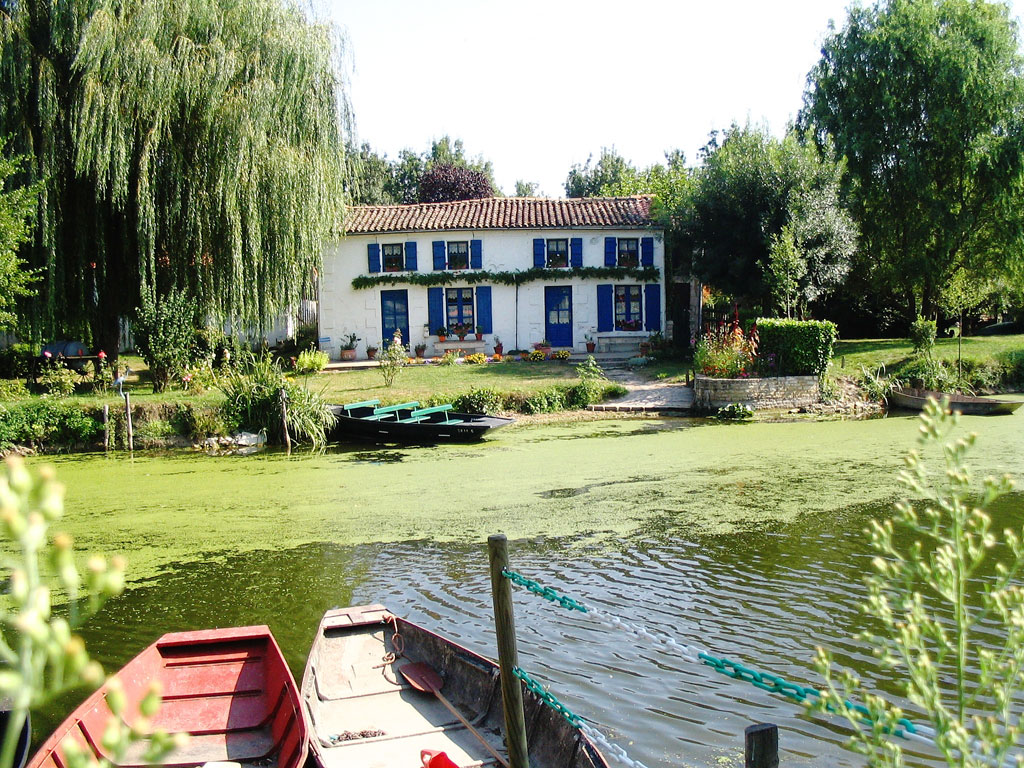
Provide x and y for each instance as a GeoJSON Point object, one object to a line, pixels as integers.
{"type": "Point", "coordinates": [591, 346]}
{"type": "Point", "coordinates": [441, 338]}
{"type": "Point", "coordinates": [419, 352]}
{"type": "Point", "coordinates": [371, 353]}
{"type": "Point", "coordinates": [499, 348]}
{"type": "Point", "coordinates": [479, 337]}
{"type": "Point", "coordinates": [462, 337]}
{"type": "Point", "coordinates": [348, 354]}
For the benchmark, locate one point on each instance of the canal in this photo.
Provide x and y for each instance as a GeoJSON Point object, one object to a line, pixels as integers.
{"type": "Point", "coordinates": [746, 539]}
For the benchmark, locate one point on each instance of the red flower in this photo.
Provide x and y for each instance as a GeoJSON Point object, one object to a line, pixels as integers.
{"type": "Point", "coordinates": [102, 355]}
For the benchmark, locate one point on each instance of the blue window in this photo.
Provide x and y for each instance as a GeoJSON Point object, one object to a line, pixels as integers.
{"type": "Point", "coordinates": [394, 257]}
{"type": "Point", "coordinates": [628, 306]}
{"type": "Point", "coordinates": [459, 307]}
{"type": "Point", "coordinates": [628, 252]}
{"type": "Point", "coordinates": [458, 255]}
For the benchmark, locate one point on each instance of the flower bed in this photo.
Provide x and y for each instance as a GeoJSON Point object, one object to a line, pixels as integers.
{"type": "Point", "coordinates": [767, 393]}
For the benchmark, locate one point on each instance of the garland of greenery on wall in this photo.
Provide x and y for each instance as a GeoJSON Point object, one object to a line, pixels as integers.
{"type": "Point", "coordinates": [641, 274]}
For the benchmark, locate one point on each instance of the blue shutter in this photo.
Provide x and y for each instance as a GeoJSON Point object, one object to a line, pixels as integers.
{"type": "Point", "coordinates": [646, 251]}
{"type": "Point", "coordinates": [538, 251]}
{"type": "Point", "coordinates": [410, 256]}
{"type": "Point", "coordinates": [652, 307]}
{"type": "Point", "coordinates": [476, 254]}
{"type": "Point", "coordinates": [576, 252]}
{"type": "Point", "coordinates": [439, 254]}
{"type": "Point", "coordinates": [435, 307]}
{"type": "Point", "coordinates": [483, 307]}
{"type": "Point", "coordinates": [605, 307]}
{"type": "Point", "coordinates": [610, 244]}
{"type": "Point", "coordinates": [373, 257]}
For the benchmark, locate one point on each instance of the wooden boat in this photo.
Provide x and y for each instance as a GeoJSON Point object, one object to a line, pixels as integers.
{"type": "Point", "coordinates": [408, 423]}
{"type": "Point", "coordinates": [364, 713]}
{"type": "Point", "coordinates": [229, 689]}
{"type": "Point", "coordinates": [915, 399]}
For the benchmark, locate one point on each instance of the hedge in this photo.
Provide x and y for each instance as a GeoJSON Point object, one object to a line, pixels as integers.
{"type": "Point", "coordinates": [799, 347]}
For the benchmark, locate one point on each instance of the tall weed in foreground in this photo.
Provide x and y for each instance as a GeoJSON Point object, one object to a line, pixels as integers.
{"type": "Point", "coordinates": [253, 402]}
{"type": "Point", "coordinates": [942, 579]}
{"type": "Point", "coordinates": [42, 657]}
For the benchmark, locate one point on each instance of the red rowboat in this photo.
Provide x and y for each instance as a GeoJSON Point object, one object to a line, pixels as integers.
{"type": "Point", "coordinates": [229, 689]}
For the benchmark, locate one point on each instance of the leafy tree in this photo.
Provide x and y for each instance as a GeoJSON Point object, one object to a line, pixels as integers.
{"type": "Point", "coordinates": [16, 209]}
{"type": "Point", "coordinates": [785, 269]}
{"type": "Point", "coordinates": [591, 181]}
{"type": "Point", "coordinates": [196, 145]}
{"type": "Point", "coordinates": [525, 188]}
{"type": "Point", "coordinates": [924, 99]}
{"type": "Point", "coordinates": [445, 182]}
{"type": "Point", "coordinates": [371, 178]}
{"type": "Point", "coordinates": [164, 329]}
{"type": "Point", "coordinates": [751, 186]}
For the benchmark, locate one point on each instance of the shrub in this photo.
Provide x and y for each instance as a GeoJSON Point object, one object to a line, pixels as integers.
{"type": "Point", "coordinates": [545, 401]}
{"type": "Point", "coordinates": [1012, 365]}
{"type": "Point", "coordinates": [311, 361]}
{"type": "Point", "coordinates": [449, 358]}
{"type": "Point", "coordinates": [726, 353]}
{"type": "Point", "coordinates": [477, 358]}
{"type": "Point", "coordinates": [927, 373]}
{"type": "Point", "coordinates": [199, 422]}
{"type": "Point", "coordinates": [12, 389]}
{"type": "Point", "coordinates": [58, 381]}
{"type": "Point", "coordinates": [537, 356]}
{"type": "Point", "coordinates": [394, 359]}
{"type": "Point", "coordinates": [978, 373]}
{"type": "Point", "coordinates": [157, 428]}
{"type": "Point", "coordinates": [46, 422]}
{"type": "Point", "coordinates": [15, 361]}
{"type": "Point", "coordinates": [198, 378]}
{"type": "Point", "coordinates": [479, 400]}
{"type": "Point", "coordinates": [800, 347]}
{"type": "Point", "coordinates": [922, 336]}
{"type": "Point", "coordinates": [164, 335]}
{"type": "Point", "coordinates": [735, 412]}
{"type": "Point", "coordinates": [253, 392]}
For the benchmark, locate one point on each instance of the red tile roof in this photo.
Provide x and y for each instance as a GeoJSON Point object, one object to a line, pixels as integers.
{"type": "Point", "coordinates": [502, 213]}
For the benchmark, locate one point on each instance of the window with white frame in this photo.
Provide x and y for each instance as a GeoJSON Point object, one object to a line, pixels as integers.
{"type": "Point", "coordinates": [393, 257]}
{"type": "Point", "coordinates": [458, 254]}
{"type": "Point", "coordinates": [459, 309]}
{"type": "Point", "coordinates": [628, 252]}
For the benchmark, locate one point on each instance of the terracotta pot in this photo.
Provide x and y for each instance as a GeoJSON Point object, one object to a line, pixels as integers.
{"type": "Point", "coordinates": [479, 337]}
{"type": "Point", "coordinates": [462, 337]}
{"type": "Point", "coordinates": [419, 352]}
{"type": "Point", "coordinates": [348, 354]}
{"type": "Point", "coordinates": [499, 348]}
{"type": "Point", "coordinates": [441, 338]}
{"type": "Point", "coordinates": [591, 346]}
{"type": "Point", "coordinates": [370, 353]}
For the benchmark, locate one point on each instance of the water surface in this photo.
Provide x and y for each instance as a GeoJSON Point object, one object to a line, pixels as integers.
{"type": "Point", "coordinates": [744, 539]}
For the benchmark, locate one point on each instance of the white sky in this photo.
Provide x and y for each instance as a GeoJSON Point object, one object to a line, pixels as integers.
{"type": "Point", "coordinates": [538, 86]}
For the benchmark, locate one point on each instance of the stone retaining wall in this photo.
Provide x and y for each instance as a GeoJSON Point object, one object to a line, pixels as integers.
{"type": "Point", "coordinates": [777, 393]}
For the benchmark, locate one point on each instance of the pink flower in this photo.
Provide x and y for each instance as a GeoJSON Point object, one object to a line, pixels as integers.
{"type": "Point", "coordinates": [47, 354]}
{"type": "Point", "coordinates": [102, 355]}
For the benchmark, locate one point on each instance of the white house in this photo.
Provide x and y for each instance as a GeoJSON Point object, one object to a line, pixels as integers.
{"type": "Point", "coordinates": [521, 270]}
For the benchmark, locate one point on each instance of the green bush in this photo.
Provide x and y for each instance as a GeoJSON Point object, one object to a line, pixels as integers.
{"type": "Point", "coordinates": [1012, 367]}
{"type": "Point", "coordinates": [164, 335]}
{"type": "Point", "coordinates": [253, 402]}
{"type": "Point", "coordinates": [922, 336]}
{"type": "Point", "coordinates": [157, 428]}
{"type": "Point", "coordinates": [45, 423]}
{"type": "Point", "coordinates": [926, 373]}
{"type": "Point", "coordinates": [978, 373]}
{"type": "Point", "coordinates": [311, 361]}
{"type": "Point", "coordinates": [15, 361]}
{"type": "Point", "coordinates": [12, 389]}
{"type": "Point", "coordinates": [796, 347]}
{"type": "Point", "coordinates": [479, 400]}
{"type": "Point", "coordinates": [58, 381]}
{"type": "Point", "coordinates": [199, 422]}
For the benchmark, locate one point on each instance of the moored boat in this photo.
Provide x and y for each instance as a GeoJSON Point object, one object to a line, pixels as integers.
{"type": "Point", "coordinates": [915, 399]}
{"type": "Point", "coordinates": [229, 689]}
{"type": "Point", "coordinates": [367, 707]}
{"type": "Point", "coordinates": [409, 423]}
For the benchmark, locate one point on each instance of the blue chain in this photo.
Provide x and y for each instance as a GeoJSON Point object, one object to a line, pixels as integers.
{"type": "Point", "coordinates": [547, 593]}
{"type": "Point", "coordinates": [548, 698]}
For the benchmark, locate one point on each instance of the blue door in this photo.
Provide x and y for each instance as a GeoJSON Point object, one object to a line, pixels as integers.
{"type": "Point", "coordinates": [394, 313]}
{"type": "Point", "coordinates": [558, 315]}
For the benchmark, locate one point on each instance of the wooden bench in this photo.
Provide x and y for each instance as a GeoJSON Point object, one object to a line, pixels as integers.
{"type": "Point", "coordinates": [421, 414]}
{"type": "Point", "coordinates": [390, 411]}
{"type": "Point", "coordinates": [363, 404]}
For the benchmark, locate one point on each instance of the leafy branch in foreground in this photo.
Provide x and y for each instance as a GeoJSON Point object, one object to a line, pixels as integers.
{"type": "Point", "coordinates": [946, 591]}
{"type": "Point", "coordinates": [40, 657]}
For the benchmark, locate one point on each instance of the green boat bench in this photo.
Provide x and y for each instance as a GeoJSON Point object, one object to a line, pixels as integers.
{"type": "Point", "coordinates": [391, 411]}
{"type": "Point", "coordinates": [363, 404]}
{"type": "Point", "coordinates": [421, 414]}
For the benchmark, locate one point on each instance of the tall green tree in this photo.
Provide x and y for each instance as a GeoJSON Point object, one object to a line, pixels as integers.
{"type": "Point", "coordinates": [925, 99]}
{"type": "Point", "coordinates": [17, 206]}
{"type": "Point", "coordinates": [589, 179]}
{"type": "Point", "coordinates": [749, 187]}
{"type": "Point", "coordinates": [193, 144]}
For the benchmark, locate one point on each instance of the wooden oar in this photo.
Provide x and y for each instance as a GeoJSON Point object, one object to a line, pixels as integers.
{"type": "Point", "coordinates": [424, 677]}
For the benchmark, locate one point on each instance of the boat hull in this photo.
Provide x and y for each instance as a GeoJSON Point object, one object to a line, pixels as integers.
{"type": "Point", "coordinates": [471, 427]}
{"type": "Point", "coordinates": [915, 400]}
{"type": "Point", "coordinates": [229, 689]}
{"type": "Point", "coordinates": [363, 714]}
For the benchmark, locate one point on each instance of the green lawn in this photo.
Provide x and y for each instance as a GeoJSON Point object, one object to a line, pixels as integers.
{"type": "Point", "coordinates": [851, 354]}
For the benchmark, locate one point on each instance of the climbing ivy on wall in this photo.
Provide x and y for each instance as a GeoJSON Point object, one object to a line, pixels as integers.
{"type": "Point", "coordinates": [641, 274]}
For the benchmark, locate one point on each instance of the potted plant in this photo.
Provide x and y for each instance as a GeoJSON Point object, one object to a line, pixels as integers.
{"type": "Point", "coordinates": [442, 333]}
{"type": "Point", "coordinates": [591, 344]}
{"type": "Point", "coordinates": [479, 333]}
{"type": "Point", "coordinates": [420, 349]}
{"type": "Point", "coordinates": [348, 347]}
{"type": "Point", "coordinates": [460, 330]}
{"type": "Point", "coordinates": [371, 352]}
{"type": "Point", "coordinates": [498, 346]}
{"type": "Point", "coordinates": [543, 346]}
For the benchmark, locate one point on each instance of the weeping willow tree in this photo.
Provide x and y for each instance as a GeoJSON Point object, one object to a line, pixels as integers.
{"type": "Point", "coordinates": [188, 144]}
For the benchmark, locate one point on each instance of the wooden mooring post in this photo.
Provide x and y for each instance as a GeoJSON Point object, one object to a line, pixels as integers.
{"type": "Point", "coordinates": [106, 426]}
{"type": "Point", "coordinates": [761, 746]}
{"type": "Point", "coordinates": [283, 395]}
{"type": "Point", "coordinates": [508, 656]}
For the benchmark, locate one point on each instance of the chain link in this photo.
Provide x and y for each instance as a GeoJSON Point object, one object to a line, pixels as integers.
{"type": "Point", "coordinates": [547, 593]}
{"type": "Point", "coordinates": [548, 698]}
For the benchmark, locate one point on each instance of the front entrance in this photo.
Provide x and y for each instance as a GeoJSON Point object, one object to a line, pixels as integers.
{"type": "Point", "coordinates": [394, 314]}
{"type": "Point", "coordinates": [558, 315]}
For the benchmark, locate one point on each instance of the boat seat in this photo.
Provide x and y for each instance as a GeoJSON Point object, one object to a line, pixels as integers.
{"type": "Point", "coordinates": [363, 404]}
{"type": "Point", "coordinates": [390, 411]}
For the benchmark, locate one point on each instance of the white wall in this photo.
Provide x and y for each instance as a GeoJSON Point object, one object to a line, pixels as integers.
{"type": "Point", "coordinates": [344, 310]}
